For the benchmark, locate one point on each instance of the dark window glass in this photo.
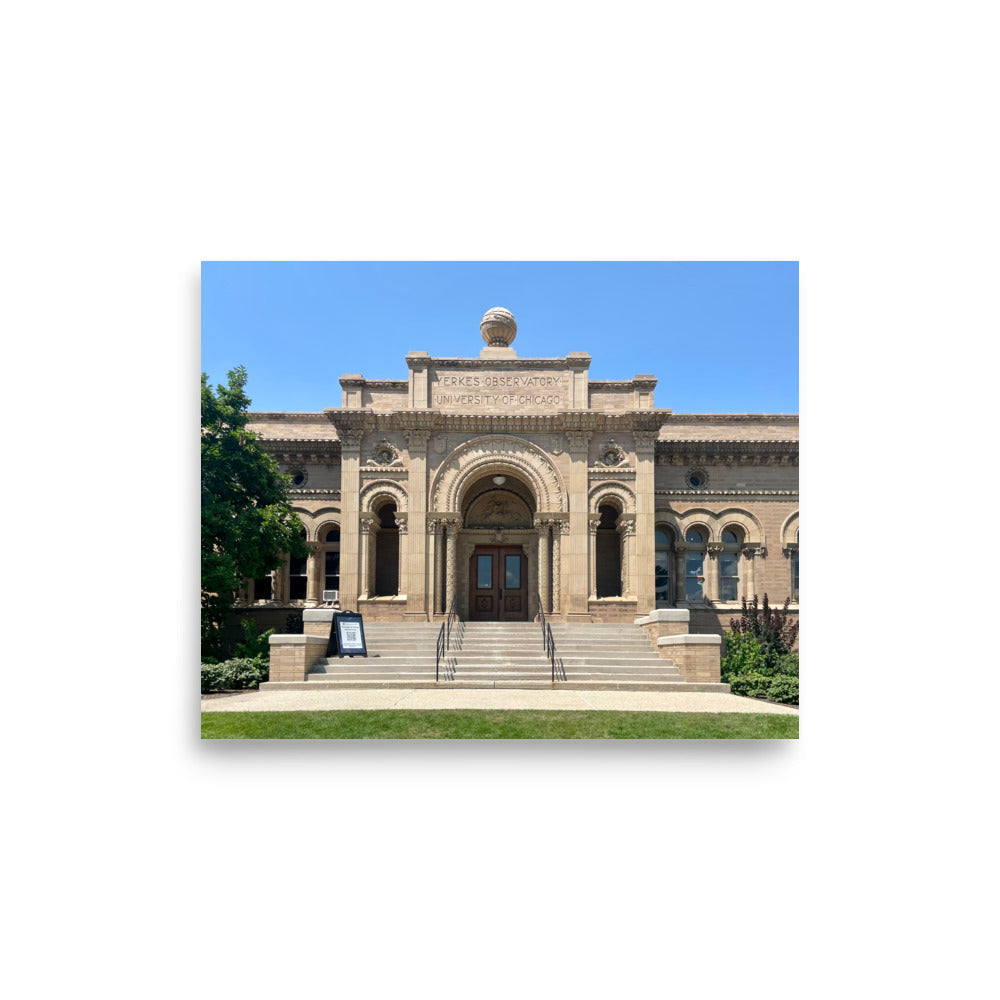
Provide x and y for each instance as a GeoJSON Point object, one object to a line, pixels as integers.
{"type": "Point", "coordinates": [262, 589]}
{"type": "Point", "coordinates": [695, 537]}
{"type": "Point", "coordinates": [512, 574]}
{"type": "Point", "coordinates": [484, 572]}
{"type": "Point", "coordinates": [663, 576]}
{"type": "Point", "coordinates": [333, 536]}
{"type": "Point", "coordinates": [332, 571]}
{"type": "Point", "coordinates": [730, 538]}
{"type": "Point", "coordinates": [662, 538]}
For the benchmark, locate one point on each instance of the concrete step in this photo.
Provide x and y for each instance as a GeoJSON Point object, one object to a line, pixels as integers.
{"type": "Point", "coordinates": [394, 681]}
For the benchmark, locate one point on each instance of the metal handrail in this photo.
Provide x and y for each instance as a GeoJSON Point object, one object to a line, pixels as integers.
{"type": "Point", "coordinates": [548, 643]}
{"type": "Point", "coordinates": [444, 638]}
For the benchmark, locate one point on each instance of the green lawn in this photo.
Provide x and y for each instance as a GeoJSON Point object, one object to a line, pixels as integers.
{"type": "Point", "coordinates": [495, 725]}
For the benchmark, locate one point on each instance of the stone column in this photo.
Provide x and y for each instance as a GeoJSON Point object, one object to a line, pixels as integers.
{"type": "Point", "coordinates": [366, 534]}
{"type": "Point", "coordinates": [451, 555]}
{"type": "Point", "coordinates": [314, 574]}
{"type": "Point", "coordinates": [749, 583]}
{"type": "Point", "coordinates": [576, 550]}
{"type": "Point", "coordinates": [431, 588]}
{"type": "Point", "coordinates": [626, 534]}
{"type": "Point", "coordinates": [558, 528]}
{"type": "Point", "coordinates": [644, 567]}
{"type": "Point", "coordinates": [712, 570]}
{"type": "Point", "coordinates": [404, 566]}
{"type": "Point", "coordinates": [593, 522]}
{"type": "Point", "coordinates": [543, 563]}
{"type": "Point", "coordinates": [350, 479]}
{"type": "Point", "coordinates": [418, 606]}
{"type": "Point", "coordinates": [680, 574]}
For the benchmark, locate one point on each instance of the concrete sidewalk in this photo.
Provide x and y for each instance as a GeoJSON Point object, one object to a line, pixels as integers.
{"type": "Point", "coordinates": [488, 698]}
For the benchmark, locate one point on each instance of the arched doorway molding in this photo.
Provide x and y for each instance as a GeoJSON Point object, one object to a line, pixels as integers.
{"type": "Point", "coordinates": [498, 454]}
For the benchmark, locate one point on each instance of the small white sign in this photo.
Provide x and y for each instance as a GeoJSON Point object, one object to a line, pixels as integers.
{"type": "Point", "coordinates": [350, 636]}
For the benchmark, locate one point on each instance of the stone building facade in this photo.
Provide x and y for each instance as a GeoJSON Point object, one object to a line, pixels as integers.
{"type": "Point", "coordinates": [494, 483]}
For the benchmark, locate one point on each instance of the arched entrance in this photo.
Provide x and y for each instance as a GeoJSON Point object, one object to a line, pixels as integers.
{"type": "Point", "coordinates": [497, 517]}
{"type": "Point", "coordinates": [498, 503]}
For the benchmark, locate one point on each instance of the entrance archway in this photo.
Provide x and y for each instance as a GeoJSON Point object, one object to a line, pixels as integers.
{"type": "Point", "coordinates": [497, 498]}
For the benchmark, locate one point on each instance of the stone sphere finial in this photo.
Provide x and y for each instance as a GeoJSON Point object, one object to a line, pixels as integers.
{"type": "Point", "coordinates": [498, 327]}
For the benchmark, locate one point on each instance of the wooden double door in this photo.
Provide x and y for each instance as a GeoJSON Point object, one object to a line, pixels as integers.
{"type": "Point", "coordinates": [498, 584]}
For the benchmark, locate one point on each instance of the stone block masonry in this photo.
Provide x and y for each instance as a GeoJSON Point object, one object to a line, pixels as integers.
{"type": "Point", "coordinates": [293, 655]}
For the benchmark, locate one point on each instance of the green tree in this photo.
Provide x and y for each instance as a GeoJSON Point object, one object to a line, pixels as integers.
{"type": "Point", "coordinates": [247, 523]}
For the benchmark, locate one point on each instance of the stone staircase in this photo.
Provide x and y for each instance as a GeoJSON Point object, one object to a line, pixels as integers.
{"type": "Point", "coordinates": [504, 655]}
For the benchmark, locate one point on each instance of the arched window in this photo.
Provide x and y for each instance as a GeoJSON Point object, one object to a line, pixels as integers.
{"type": "Point", "coordinates": [729, 567]}
{"type": "Point", "coordinates": [387, 552]}
{"type": "Point", "coordinates": [694, 566]}
{"type": "Point", "coordinates": [608, 554]}
{"type": "Point", "coordinates": [664, 542]}
{"type": "Point", "coordinates": [297, 575]}
{"type": "Point", "coordinates": [331, 577]}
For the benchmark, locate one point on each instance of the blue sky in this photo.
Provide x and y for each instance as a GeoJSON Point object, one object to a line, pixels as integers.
{"type": "Point", "coordinates": [721, 337]}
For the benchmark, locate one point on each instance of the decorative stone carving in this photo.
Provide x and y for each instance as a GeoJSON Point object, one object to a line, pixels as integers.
{"type": "Point", "coordinates": [503, 453]}
{"type": "Point", "coordinates": [696, 479]}
{"type": "Point", "coordinates": [383, 487]}
{"type": "Point", "coordinates": [491, 511]}
{"type": "Point", "coordinates": [498, 327]}
{"type": "Point", "coordinates": [417, 437]}
{"type": "Point", "coordinates": [612, 454]}
{"type": "Point", "coordinates": [384, 453]}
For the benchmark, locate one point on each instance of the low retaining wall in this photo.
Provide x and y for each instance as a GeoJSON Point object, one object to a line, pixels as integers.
{"type": "Point", "coordinates": [382, 609]}
{"type": "Point", "coordinates": [697, 657]}
{"type": "Point", "coordinates": [611, 610]}
{"type": "Point", "coordinates": [293, 655]}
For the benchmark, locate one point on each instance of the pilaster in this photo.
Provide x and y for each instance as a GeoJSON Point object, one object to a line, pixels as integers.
{"type": "Point", "coordinates": [417, 605]}
{"type": "Point", "coordinates": [576, 549]}
{"type": "Point", "coordinates": [350, 480]}
{"type": "Point", "coordinates": [644, 566]}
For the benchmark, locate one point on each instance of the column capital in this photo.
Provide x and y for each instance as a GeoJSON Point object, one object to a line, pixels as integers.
{"type": "Point", "coordinates": [715, 548]}
{"type": "Point", "coordinates": [645, 441]}
{"type": "Point", "coordinates": [751, 549]}
{"type": "Point", "coordinates": [578, 439]}
{"type": "Point", "coordinates": [593, 523]}
{"type": "Point", "coordinates": [417, 437]}
{"type": "Point", "coordinates": [789, 549]}
{"type": "Point", "coordinates": [401, 521]}
{"type": "Point", "coordinates": [366, 523]}
{"type": "Point", "coordinates": [315, 548]}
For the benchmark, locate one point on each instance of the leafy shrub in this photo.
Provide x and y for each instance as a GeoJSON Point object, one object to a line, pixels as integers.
{"type": "Point", "coordinates": [788, 664]}
{"type": "Point", "coordinates": [233, 675]}
{"type": "Point", "coordinates": [774, 631]}
{"type": "Point", "coordinates": [255, 644]}
{"type": "Point", "coordinates": [784, 689]}
{"type": "Point", "coordinates": [751, 685]}
{"type": "Point", "coordinates": [743, 655]}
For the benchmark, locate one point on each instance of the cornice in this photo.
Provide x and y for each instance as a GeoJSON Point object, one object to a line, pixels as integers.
{"type": "Point", "coordinates": [734, 418]}
{"type": "Point", "coordinates": [612, 472]}
{"type": "Point", "coordinates": [594, 421]}
{"type": "Point", "coordinates": [701, 494]}
{"type": "Point", "coordinates": [301, 494]}
{"type": "Point", "coordinates": [727, 453]}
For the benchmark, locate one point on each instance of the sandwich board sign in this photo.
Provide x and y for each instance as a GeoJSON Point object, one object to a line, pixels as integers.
{"type": "Point", "coordinates": [347, 635]}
